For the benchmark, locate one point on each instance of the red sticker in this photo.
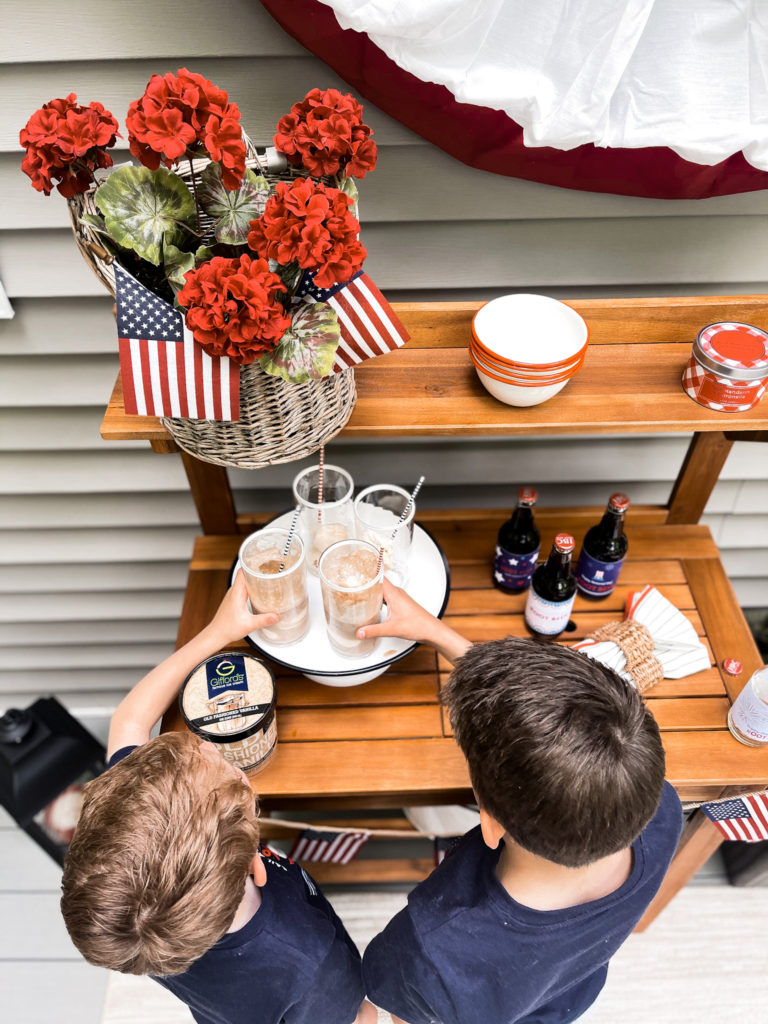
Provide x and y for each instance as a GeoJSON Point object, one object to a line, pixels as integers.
{"type": "Point", "coordinates": [732, 666]}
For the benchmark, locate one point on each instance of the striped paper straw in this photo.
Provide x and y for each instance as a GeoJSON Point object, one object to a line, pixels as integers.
{"type": "Point", "coordinates": [320, 482]}
{"type": "Point", "coordinates": [291, 531]}
{"type": "Point", "coordinates": [408, 507]}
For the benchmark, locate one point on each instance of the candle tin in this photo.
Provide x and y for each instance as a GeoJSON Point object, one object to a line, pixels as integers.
{"type": "Point", "coordinates": [728, 367]}
{"type": "Point", "coordinates": [229, 700]}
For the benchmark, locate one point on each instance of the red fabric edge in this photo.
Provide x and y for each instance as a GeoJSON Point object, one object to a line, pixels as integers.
{"type": "Point", "coordinates": [488, 139]}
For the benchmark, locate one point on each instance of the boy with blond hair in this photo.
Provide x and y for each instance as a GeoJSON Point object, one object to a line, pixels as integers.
{"type": "Point", "coordinates": [165, 875]}
{"type": "Point", "coordinates": [577, 828]}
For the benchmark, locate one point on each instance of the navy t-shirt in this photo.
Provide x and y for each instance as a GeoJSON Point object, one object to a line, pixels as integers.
{"type": "Point", "coordinates": [464, 952]}
{"type": "Point", "coordinates": [292, 963]}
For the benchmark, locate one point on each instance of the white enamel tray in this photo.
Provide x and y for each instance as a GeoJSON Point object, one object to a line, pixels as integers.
{"type": "Point", "coordinates": [313, 656]}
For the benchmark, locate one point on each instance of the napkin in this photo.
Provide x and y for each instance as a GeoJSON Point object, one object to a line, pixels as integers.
{"type": "Point", "coordinates": [666, 647]}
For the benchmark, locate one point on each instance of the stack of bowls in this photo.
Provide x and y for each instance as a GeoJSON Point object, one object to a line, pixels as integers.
{"type": "Point", "coordinates": [527, 347]}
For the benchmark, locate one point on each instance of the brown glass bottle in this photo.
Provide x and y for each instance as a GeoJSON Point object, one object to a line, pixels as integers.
{"type": "Point", "coordinates": [603, 551]}
{"type": "Point", "coordinates": [553, 589]}
{"type": "Point", "coordinates": [517, 546]}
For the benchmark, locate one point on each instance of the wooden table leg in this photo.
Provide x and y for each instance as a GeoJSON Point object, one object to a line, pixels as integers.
{"type": "Point", "coordinates": [698, 842]}
{"type": "Point", "coordinates": [698, 475]}
{"type": "Point", "coordinates": [212, 495]}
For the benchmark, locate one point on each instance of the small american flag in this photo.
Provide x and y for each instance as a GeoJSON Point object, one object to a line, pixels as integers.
{"type": "Point", "coordinates": [164, 371]}
{"type": "Point", "coordinates": [367, 322]}
{"type": "Point", "coordinates": [744, 818]}
{"type": "Point", "coordinates": [328, 847]}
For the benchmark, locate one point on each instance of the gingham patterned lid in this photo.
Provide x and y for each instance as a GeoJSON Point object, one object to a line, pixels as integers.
{"type": "Point", "coordinates": [734, 350]}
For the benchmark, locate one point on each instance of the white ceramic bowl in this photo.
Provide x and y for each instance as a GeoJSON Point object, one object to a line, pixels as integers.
{"type": "Point", "coordinates": [520, 395]}
{"type": "Point", "coordinates": [530, 329]}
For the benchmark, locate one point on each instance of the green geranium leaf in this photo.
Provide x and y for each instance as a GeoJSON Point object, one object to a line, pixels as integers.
{"type": "Point", "coordinates": [145, 209]}
{"type": "Point", "coordinates": [203, 254]}
{"type": "Point", "coordinates": [307, 349]}
{"type": "Point", "coordinates": [288, 274]}
{"type": "Point", "coordinates": [176, 264]}
{"type": "Point", "coordinates": [349, 187]}
{"type": "Point", "coordinates": [233, 211]}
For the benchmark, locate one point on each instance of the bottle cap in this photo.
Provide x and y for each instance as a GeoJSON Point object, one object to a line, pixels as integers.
{"type": "Point", "coordinates": [564, 543]}
{"type": "Point", "coordinates": [619, 502]}
{"type": "Point", "coordinates": [527, 495]}
{"type": "Point", "coordinates": [732, 666]}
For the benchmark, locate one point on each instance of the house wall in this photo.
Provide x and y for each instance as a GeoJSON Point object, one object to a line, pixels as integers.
{"type": "Point", "coordinates": [96, 536]}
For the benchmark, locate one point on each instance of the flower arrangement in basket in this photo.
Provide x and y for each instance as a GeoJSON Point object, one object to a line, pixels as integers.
{"type": "Point", "coordinates": [241, 298]}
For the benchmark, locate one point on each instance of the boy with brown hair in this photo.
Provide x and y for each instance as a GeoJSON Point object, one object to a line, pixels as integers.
{"type": "Point", "coordinates": [577, 829]}
{"type": "Point", "coordinates": [165, 875]}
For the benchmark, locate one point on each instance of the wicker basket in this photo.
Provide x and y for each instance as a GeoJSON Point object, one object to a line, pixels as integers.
{"type": "Point", "coordinates": [279, 421]}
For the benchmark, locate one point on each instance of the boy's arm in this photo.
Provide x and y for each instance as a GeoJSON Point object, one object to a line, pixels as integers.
{"type": "Point", "coordinates": [409, 620]}
{"type": "Point", "coordinates": [137, 713]}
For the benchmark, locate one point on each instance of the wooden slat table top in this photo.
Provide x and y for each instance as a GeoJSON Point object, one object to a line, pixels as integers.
{"type": "Point", "coordinates": [630, 382]}
{"type": "Point", "coordinates": [389, 743]}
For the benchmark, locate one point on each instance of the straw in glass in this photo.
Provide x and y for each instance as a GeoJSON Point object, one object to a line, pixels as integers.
{"type": "Point", "coordinates": [401, 520]}
{"type": "Point", "coordinates": [291, 531]}
{"type": "Point", "coordinates": [320, 483]}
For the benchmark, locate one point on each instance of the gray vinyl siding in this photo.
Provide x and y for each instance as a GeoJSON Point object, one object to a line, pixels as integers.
{"type": "Point", "coordinates": [95, 536]}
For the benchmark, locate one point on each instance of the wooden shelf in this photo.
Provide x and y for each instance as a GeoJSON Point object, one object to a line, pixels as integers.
{"type": "Point", "coordinates": [630, 381]}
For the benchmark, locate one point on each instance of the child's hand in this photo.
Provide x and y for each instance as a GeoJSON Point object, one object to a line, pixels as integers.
{"type": "Point", "coordinates": [233, 619]}
{"type": "Point", "coordinates": [407, 619]}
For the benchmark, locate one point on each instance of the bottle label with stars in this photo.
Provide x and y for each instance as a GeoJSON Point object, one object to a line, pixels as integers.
{"type": "Point", "coordinates": [512, 571]}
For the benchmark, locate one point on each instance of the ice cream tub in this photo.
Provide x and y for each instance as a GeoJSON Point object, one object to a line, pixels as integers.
{"type": "Point", "coordinates": [229, 700]}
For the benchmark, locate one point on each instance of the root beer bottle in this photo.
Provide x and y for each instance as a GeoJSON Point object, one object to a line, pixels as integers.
{"type": "Point", "coordinates": [553, 589]}
{"type": "Point", "coordinates": [604, 550]}
{"type": "Point", "coordinates": [517, 547]}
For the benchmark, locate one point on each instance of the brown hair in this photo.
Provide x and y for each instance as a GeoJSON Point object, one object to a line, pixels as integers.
{"type": "Point", "coordinates": [561, 751]}
{"type": "Point", "coordinates": [159, 860]}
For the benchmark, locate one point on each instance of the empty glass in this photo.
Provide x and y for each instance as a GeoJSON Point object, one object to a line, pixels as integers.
{"type": "Point", "coordinates": [323, 522]}
{"type": "Point", "coordinates": [377, 520]}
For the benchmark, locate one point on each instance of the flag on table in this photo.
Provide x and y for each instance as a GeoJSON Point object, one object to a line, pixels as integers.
{"type": "Point", "coordinates": [328, 847]}
{"type": "Point", "coordinates": [164, 371]}
{"type": "Point", "coordinates": [367, 322]}
{"type": "Point", "coordinates": [744, 818]}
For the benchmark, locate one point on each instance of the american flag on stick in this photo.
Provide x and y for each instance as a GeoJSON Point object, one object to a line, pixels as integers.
{"type": "Point", "coordinates": [164, 371]}
{"type": "Point", "coordinates": [367, 322]}
{"type": "Point", "coordinates": [744, 818]}
{"type": "Point", "coordinates": [328, 847]}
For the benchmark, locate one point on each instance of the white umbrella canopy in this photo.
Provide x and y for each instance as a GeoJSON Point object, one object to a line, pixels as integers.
{"type": "Point", "coordinates": [629, 74]}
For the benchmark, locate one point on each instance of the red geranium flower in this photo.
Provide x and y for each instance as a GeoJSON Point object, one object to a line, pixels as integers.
{"type": "Point", "coordinates": [186, 114]}
{"type": "Point", "coordinates": [313, 225]}
{"type": "Point", "coordinates": [67, 142]}
{"type": "Point", "coordinates": [232, 307]}
{"type": "Point", "coordinates": [325, 134]}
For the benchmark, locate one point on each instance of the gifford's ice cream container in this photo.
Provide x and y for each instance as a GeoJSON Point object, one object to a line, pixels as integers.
{"type": "Point", "coordinates": [229, 700]}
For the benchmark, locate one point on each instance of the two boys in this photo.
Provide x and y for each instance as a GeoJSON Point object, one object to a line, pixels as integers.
{"type": "Point", "coordinates": [517, 925]}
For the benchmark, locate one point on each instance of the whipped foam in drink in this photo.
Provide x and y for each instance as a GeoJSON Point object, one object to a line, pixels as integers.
{"type": "Point", "coordinates": [270, 590]}
{"type": "Point", "coordinates": [351, 583]}
{"type": "Point", "coordinates": [229, 700]}
{"type": "Point", "coordinates": [322, 535]}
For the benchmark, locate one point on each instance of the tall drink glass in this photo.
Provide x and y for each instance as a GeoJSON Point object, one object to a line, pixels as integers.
{"type": "Point", "coordinates": [270, 590]}
{"type": "Point", "coordinates": [377, 519]}
{"type": "Point", "coordinates": [351, 581]}
{"type": "Point", "coordinates": [325, 518]}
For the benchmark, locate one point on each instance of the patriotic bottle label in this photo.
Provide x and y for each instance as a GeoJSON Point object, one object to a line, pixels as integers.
{"type": "Point", "coordinates": [513, 571]}
{"type": "Point", "coordinates": [596, 577]}
{"type": "Point", "coordinates": [749, 714]}
{"type": "Point", "coordinates": [547, 617]}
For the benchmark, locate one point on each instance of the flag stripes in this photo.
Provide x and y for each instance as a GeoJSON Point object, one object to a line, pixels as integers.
{"type": "Point", "coordinates": [164, 371]}
{"type": "Point", "coordinates": [367, 324]}
{"type": "Point", "coordinates": [328, 847]}
{"type": "Point", "coordinates": [744, 818]}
